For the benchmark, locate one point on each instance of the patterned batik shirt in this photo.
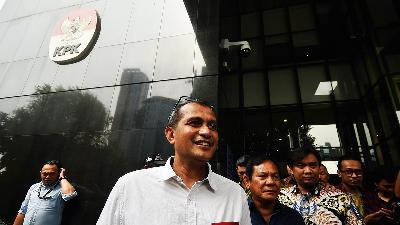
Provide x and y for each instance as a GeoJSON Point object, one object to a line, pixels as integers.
{"type": "Point", "coordinates": [325, 205]}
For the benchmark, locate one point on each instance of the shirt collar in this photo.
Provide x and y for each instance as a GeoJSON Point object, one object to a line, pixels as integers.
{"type": "Point", "coordinates": [168, 173]}
{"type": "Point", "coordinates": [277, 208]}
{"type": "Point", "coordinates": [316, 191]}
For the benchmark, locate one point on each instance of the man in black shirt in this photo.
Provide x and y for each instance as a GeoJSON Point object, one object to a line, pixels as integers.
{"type": "Point", "coordinates": [262, 178]}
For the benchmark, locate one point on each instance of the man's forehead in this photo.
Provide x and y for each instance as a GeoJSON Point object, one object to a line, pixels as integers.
{"type": "Point", "coordinates": [266, 166]}
{"type": "Point", "coordinates": [194, 109]}
{"type": "Point", "coordinates": [48, 167]}
{"type": "Point", "coordinates": [309, 158]}
{"type": "Point", "coordinates": [351, 164]}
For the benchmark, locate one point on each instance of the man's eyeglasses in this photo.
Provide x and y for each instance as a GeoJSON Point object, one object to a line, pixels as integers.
{"type": "Point", "coordinates": [349, 173]}
{"type": "Point", "coordinates": [183, 100]}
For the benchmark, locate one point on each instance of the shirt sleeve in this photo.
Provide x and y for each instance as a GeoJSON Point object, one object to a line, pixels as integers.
{"type": "Point", "coordinates": [245, 220]}
{"type": "Point", "coordinates": [24, 205]}
{"type": "Point", "coordinates": [68, 197]}
{"type": "Point", "coordinates": [113, 211]}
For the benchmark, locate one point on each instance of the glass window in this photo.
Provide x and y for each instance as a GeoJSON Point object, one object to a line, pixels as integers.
{"type": "Point", "coordinates": [128, 101]}
{"type": "Point", "coordinates": [43, 72]}
{"type": "Point", "coordinates": [275, 21]}
{"type": "Point", "coordinates": [254, 89]}
{"type": "Point", "coordinates": [172, 89]}
{"type": "Point", "coordinates": [255, 60]}
{"type": "Point", "coordinates": [145, 25]}
{"type": "Point", "coordinates": [175, 57]}
{"type": "Point", "coordinates": [8, 9]}
{"type": "Point", "coordinates": [393, 63]}
{"type": "Point", "coordinates": [311, 79]}
{"type": "Point", "coordinates": [250, 25]}
{"type": "Point", "coordinates": [229, 28]}
{"type": "Point", "coordinates": [301, 17]}
{"type": "Point", "coordinates": [138, 62]}
{"type": "Point", "coordinates": [282, 86]}
{"type": "Point", "coordinates": [302, 39]}
{"type": "Point", "coordinates": [103, 66]}
{"type": "Point", "coordinates": [71, 76]}
{"type": "Point", "coordinates": [33, 36]}
{"type": "Point", "coordinates": [228, 91]}
{"type": "Point", "coordinates": [346, 85]}
{"type": "Point", "coordinates": [206, 88]}
{"type": "Point", "coordinates": [12, 39]}
{"type": "Point", "coordinates": [15, 77]}
{"type": "Point", "coordinates": [277, 39]}
{"type": "Point", "coordinates": [8, 105]}
{"type": "Point", "coordinates": [114, 23]}
{"type": "Point", "coordinates": [206, 54]}
{"type": "Point", "coordinates": [176, 20]}
{"type": "Point", "coordinates": [325, 135]}
{"type": "Point", "coordinates": [383, 12]}
{"type": "Point", "coordinates": [27, 8]}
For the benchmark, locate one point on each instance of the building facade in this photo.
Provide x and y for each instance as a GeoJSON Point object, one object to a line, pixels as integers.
{"type": "Point", "coordinates": [322, 72]}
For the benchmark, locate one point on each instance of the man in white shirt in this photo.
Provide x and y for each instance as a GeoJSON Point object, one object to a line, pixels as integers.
{"type": "Point", "coordinates": [185, 190]}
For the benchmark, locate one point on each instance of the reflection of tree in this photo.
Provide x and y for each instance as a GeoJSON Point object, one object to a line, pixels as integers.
{"type": "Point", "coordinates": [68, 125]}
{"type": "Point", "coordinates": [306, 139]}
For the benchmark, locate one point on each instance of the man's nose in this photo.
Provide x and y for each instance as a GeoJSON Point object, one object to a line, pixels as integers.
{"type": "Point", "coordinates": [205, 130]}
{"type": "Point", "coordinates": [307, 169]}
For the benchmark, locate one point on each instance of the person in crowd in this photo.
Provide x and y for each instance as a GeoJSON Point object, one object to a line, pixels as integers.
{"type": "Point", "coordinates": [262, 179]}
{"type": "Point", "coordinates": [44, 202]}
{"type": "Point", "coordinates": [241, 168]}
{"type": "Point", "coordinates": [316, 202]}
{"type": "Point", "coordinates": [383, 202]}
{"type": "Point", "coordinates": [185, 190]}
{"type": "Point", "coordinates": [324, 174]}
{"type": "Point", "coordinates": [351, 173]}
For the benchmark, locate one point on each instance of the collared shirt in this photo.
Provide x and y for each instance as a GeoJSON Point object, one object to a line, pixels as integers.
{"type": "Point", "coordinates": [158, 196]}
{"type": "Point", "coordinates": [282, 215]}
{"type": "Point", "coordinates": [325, 205]}
{"type": "Point", "coordinates": [44, 204]}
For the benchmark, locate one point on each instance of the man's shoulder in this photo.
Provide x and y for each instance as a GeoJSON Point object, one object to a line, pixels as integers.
{"type": "Point", "coordinates": [225, 183]}
{"type": "Point", "coordinates": [151, 173]}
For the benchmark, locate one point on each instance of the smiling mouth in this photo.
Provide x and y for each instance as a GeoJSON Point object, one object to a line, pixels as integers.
{"type": "Point", "coordinates": [203, 143]}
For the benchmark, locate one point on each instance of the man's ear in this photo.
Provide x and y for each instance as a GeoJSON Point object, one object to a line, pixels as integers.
{"type": "Point", "coordinates": [339, 174]}
{"type": "Point", "coordinates": [289, 170]}
{"type": "Point", "coordinates": [169, 134]}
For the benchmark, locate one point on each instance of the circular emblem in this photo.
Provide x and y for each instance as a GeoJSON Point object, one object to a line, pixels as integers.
{"type": "Point", "coordinates": [74, 36]}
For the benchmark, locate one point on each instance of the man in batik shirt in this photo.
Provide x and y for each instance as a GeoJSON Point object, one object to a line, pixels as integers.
{"type": "Point", "coordinates": [316, 202]}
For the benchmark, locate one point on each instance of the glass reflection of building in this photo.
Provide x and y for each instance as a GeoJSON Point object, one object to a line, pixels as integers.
{"type": "Point", "coordinates": [321, 72]}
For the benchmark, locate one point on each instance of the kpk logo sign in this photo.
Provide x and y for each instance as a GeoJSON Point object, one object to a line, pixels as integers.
{"type": "Point", "coordinates": [74, 36]}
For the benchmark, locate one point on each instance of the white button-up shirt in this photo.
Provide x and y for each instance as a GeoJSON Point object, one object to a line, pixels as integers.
{"type": "Point", "coordinates": [157, 196]}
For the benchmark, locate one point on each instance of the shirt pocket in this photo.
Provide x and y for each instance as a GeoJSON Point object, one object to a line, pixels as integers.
{"type": "Point", "coordinates": [48, 203]}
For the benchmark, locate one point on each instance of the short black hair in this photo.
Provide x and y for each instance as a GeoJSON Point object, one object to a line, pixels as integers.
{"type": "Point", "coordinates": [242, 160]}
{"type": "Point", "coordinates": [257, 160]}
{"type": "Point", "coordinates": [175, 115]}
{"type": "Point", "coordinates": [300, 153]}
{"type": "Point", "coordinates": [348, 157]}
{"type": "Point", "coordinates": [384, 174]}
{"type": "Point", "coordinates": [53, 162]}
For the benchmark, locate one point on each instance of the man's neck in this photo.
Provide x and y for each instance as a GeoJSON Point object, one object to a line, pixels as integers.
{"type": "Point", "coordinates": [190, 172]}
{"type": "Point", "coordinates": [266, 209]}
{"type": "Point", "coordinates": [306, 190]}
{"type": "Point", "coordinates": [351, 189]}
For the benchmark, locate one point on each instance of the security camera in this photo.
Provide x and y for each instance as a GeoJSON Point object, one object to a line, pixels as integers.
{"type": "Point", "coordinates": [245, 49]}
